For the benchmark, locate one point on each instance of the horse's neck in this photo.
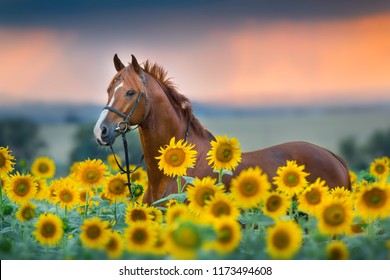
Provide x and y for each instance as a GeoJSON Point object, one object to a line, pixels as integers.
{"type": "Point", "coordinates": [162, 123]}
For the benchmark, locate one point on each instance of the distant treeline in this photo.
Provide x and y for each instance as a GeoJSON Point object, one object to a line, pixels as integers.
{"type": "Point", "coordinates": [359, 156]}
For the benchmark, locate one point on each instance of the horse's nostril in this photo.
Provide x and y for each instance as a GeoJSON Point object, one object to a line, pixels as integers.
{"type": "Point", "coordinates": [104, 131]}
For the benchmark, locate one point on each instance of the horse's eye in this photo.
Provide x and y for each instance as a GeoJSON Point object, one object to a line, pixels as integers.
{"type": "Point", "coordinates": [130, 92]}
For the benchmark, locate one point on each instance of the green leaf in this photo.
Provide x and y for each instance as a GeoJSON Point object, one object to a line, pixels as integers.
{"type": "Point", "coordinates": [178, 196]}
{"type": "Point", "coordinates": [189, 180]}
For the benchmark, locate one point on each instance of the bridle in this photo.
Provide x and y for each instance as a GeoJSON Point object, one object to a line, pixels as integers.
{"type": "Point", "coordinates": [124, 124]}
{"type": "Point", "coordinates": [123, 127]}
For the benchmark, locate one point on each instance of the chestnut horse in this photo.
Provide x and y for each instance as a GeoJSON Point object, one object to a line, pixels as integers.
{"type": "Point", "coordinates": [143, 96]}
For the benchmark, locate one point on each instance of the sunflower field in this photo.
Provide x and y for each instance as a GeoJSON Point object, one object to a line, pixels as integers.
{"type": "Point", "coordinates": [90, 213]}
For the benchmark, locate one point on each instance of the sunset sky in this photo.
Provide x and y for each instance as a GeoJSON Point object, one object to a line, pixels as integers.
{"type": "Point", "coordinates": [258, 53]}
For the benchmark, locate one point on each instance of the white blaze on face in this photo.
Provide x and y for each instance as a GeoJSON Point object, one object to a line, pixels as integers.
{"type": "Point", "coordinates": [97, 130]}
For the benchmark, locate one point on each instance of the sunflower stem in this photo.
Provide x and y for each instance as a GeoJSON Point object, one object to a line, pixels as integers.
{"type": "Point", "coordinates": [66, 210]}
{"type": "Point", "coordinates": [115, 210]}
{"type": "Point", "coordinates": [86, 204]}
{"type": "Point", "coordinates": [291, 212]}
{"type": "Point", "coordinates": [1, 200]}
{"type": "Point", "coordinates": [220, 174]}
{"type": "Point", "coordinates": [370, 229]}
{"type": "Point", "coordinates": [179, 190]}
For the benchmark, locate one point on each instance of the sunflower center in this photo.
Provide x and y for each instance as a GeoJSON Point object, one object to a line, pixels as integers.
{"type": "Point", "coordinates": [140, 236]}
{"type": "Point", "coordinates": [2, 160]}
{"type": "Point", "coordinates": [116, 187]}
{"type": "Point", "coordinates": [380, 169]}
{"type": "Point", "coordinates": [334, 215]}
{"type": "Point", "coordinates": [313, 197]}
{"type": "Point", "coordinates": [66, 196]}
{"type": "Point", "coordinates": [28, 213]}
{"type": "Point", "coordinates": [273, 203]}
{"type": "Point", "coordinates": [135, 176]}
{"type": "Point", "coordinates": [375, 198]}
{"type": "Point", "coordinates": [175, 157]}
{"type": "Point", "coordinates": [187, 237]}
{"type": "Point", "coordinates": [22, 188]}
{"type": "Point", "coordinates": [203, 195]}
{"type": "Point", "coordinates": [83, 196]}
{"type": "Point", "coordinates": [91, 176]}
{"type": "Point", "coordinates": [249, 187]}
{"type": "Point", "coordinates": [112, 245]}
{"type": "Point", "coordinates": [281, 239]}
{"type": "Point", "coordinates": [48, 229]}
{"type": "Point", "coordinates": [224, 153]}
{"type": "Point", "coordinates": [291, 179]}
{"type": "Point", "coordinates": [43, 168]}
{"type": "Point", "coordinates": [336, 254]}
{"type": "Point", "coordinates": [221, 208]}
{"type": "Point", "coordinates": [225, 234]}
{"type": "Point", "coordinates": [93, 232]}
{"type": "Point", "coordinates": [138, 215]}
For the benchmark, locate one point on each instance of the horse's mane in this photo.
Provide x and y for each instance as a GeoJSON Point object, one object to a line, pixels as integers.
{"type": "Point", "coordinates": [178, 100]}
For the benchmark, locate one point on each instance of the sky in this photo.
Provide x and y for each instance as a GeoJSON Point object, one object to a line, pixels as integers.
{"type": "Point", "coordinates": [245, 53]}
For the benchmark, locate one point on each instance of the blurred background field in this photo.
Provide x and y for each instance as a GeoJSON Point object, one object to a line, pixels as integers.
{"type": "Point", "coordinates": [64, 132]}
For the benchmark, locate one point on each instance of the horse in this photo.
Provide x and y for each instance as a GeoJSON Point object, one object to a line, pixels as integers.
{"type": "Point", "coordinates": [144, 96]}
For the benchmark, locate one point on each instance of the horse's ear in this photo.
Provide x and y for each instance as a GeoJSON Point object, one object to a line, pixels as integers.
{"type": "Point", "coordinates": [118, 63]}
{"type": "Point", "coordinates": [135, 64]}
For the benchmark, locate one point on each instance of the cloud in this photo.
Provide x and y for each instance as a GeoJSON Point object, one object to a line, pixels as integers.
{"type": "Point", "coordinates": [255, 62]}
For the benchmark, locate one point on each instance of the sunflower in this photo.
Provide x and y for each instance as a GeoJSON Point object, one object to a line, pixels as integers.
{"type": "Point", "coordinates": [337, 250]}
{"type": "Point", "coordinates": [224, 154]}
{"type": "Point", "coordinates": [115, 245]}
{"type": "Point", "coordinates": [222, 205]}
{"type": "Point", "coordinates": [291, 179]}
{"type": "Point", "coordinates": [156, 214]}
{"type": "Point", "coordinates": [335, 216]}
{"type": "Point", "coordinates": [111, 162]}
{"type": "Point", "coordinates": [21, 188]}
{"type": "Point", "coordinates": [95, 233]}
{"type": "Point", "coordinates": [137, 213]}
{"type": "Point", "coordinates": [284, 240]}
{"type": "Point", "coordinates": [341, 193]}
{"type": "Point", "coordinates": [139, 175]}
{"type": "Point", "coordinates": [276, 204]}
{"type": "Point", "coordinates": [250, 187]}
{"type": "Point", "coordinates": [91, 173]}
{"type": "Point", "coordinates": [159, 247]}
{"type": "Point", "coordinates": [312, 197]}
{"type": "Point", "coordinates": [175, 212]}
{"type": "Point", "coordinates": [373, 201]}
{"type": "Point", "coordinates": [140, 237]}
{"type": "Point", "coordinates": [6, 161]}
{"type": "Point", "coordinates": [184, 239]}
{"type": "Point", "coordinates": [228, 235]}
{"type": "Point", "coordinates": [352, 178]}
{"type": "Point", "coordinates": [200, 192]}
{"type": "Point", "coordinates": [42, 189]}
{"type": "Point", "coordinates": [26, 212]}
{"type": "Point", "coordinates": [43, 167]}
{"type": "Point", "coordinates": [66, 194]}
{"type": "Point", "coordinates": [115, 187]}
{"type": "Point", "coordinates": [49, 229]}
{"type": "Point", "coordinates": [380, 168]}
{"type": "Point", "coordinates": [175, 158]}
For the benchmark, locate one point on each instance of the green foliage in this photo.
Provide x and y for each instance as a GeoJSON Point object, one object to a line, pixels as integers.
{"type": "Point", "coordinates": [87, 147]}
{"type": "Point", "coordinates": [22, 137]}
{"type": "Point", "coordinates": [360, 156]}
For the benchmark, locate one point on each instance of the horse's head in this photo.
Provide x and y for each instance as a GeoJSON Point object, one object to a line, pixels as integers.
{"type": "Point", "coordinates": [127, 102]}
